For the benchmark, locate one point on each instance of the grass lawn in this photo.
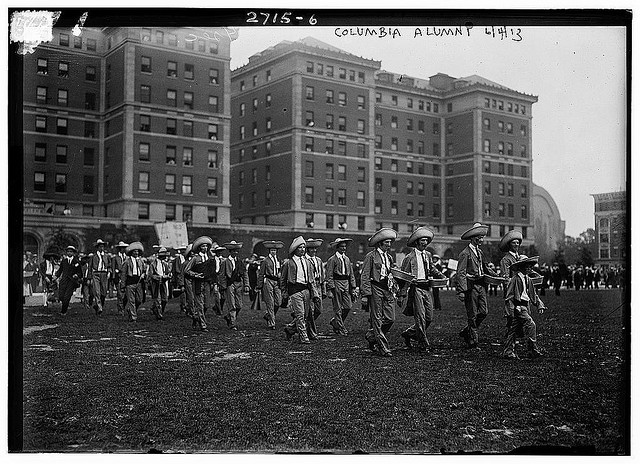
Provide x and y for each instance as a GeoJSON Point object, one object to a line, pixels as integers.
{"type": "Point", "coordinates": [105, 385]}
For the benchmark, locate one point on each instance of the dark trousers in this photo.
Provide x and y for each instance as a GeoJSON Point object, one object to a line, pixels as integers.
{"type": "Point", "coordinates": [65, 292]}
{"type": "Point", "coordinates": [475, 303]}
{"type": "Point", "coordinates": [99, 289]}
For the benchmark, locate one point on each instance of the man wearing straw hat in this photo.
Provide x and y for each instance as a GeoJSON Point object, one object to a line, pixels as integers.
{"type": "Point", "coordinates": [510, 245]}
{"type": "Point", "coordinates": [419, 302]}
{"type": "Point", "coordinates": [218, 300]}
{"type": "Point", "coordinates": [312, 245]}
{"type": "Point", "coordinates": [233, 281]}
{"type": "Point", "coordinates": [268, 282]}
{"type": "Point", "coordinates": [68, 275]}
{"type": "Point", "coordinates": [520, 294]}
{"type": "Point", "coordinates": [298, 281]}
{"type": "Point", "coordinates": [177, 281]}
{"type": "Point", "coordinates": [341, 284]}
{"type": "Point", "coordinates": [131, 274]}
{"type": "Point", "coordinates": [158, 274]}
{"type": "Point", "coordinates": [100, 269]}
{"type": "Point", "coordinates": [195, 270]}
{"type": "Point", "coordinates": [116, 265]}
{"type": "Point", "coordinates": [87, 283]}
{"type": "Point", "coordinates": [470, 285]}
{"type": "Point", "coordinates": [377, 288]}
{"type": "Point", "coordinates": [187, 282]}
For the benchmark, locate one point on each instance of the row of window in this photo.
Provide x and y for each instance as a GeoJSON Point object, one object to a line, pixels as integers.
{"type": "Point", "coordinates": [508, 208]}
{"type": "Point", "coordinates": [64, 41]}
{"type": "Point", "coordinates": [144, 154]}
{"type": "Point", "coordinates": [487, 168]}
{"type": "Point", "coordinates": [410, 126]}
{"type": "Point", "coordinates": [429, 107]}
{"type": "Point", "coordinates": [62, 154]}
{"type": "Point", "coordinates": [171, 127]}
{"type": "Point", "coordinates": [170, 212]}
{"type": "Point", "coordinates": [378, 187]}
{"type": "Point", "coordinates": [62, 126]}
{"type": "Point", "coordinates": [40, 183]}
{"type": "Point", "coordinates": [63, 69]}
{"type": "Point", "coordinates": [503, 149]}
{"type": "Point", "coordinates": [172, 99]}
{"type": "Point", "coordinates": [62, 97]}
{"type": "Point", "coordinates": [411, 167]}
{"type": "Point", "coordinates": [170, 184]}
{"type": "Point", "coordinates": [524, 190]}
{"type": "Point", "coordinates": [502, 127]}
{"type": "Point", "coordinates": [254, 80]}
{"type": "Point", "coordinates": [410, 147]}
{"type": "Point", "coordinates": [500, 105]}
{"type": "Point", "coordinates": [330, 97]}
{"type": "Point", "coordinates": [328, 70]}
{"type": "Point", "coordinates": [309, 196]}
{"type": "Point", "coordinates": [172, 70]}
{"type": "Point", "coordinates": [411, 211]}
{"type": "Point", "coordinates": [199, 45]}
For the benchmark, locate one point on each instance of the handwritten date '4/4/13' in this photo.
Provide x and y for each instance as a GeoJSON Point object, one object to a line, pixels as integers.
{"type": "Point", "coordinates": [503, 32]}
{"type": "Point", "coordinates": [275, 18]}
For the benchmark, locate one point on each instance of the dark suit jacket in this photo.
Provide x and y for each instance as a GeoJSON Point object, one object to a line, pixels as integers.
{"type": "Point", "coordinates": [514, 291]}
{"type": "Point", "coordinates": [227, 273]}
{"type": "Point", "coordinates": [333, 267]}
{"type": "Point", "coordinates": [267, 268]}
{"type": "Point", "coordinates": [70, 272]}
{"type": "Point", "coordinates": [116, 265]}
{"type": "Point", "coordinates": [93, 263]}
{"type": "Point", "coordinates": [289, 272]}
{"type": "Point", "coordinates": [371, 269]}
{"type": "Point", "coordinates": [469, 267]}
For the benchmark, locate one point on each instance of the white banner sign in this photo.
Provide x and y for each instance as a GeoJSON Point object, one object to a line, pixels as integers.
{"type": "Point", "coordinates": [172, 234]}
{"type": "Point", "coordinates": [452, 264]}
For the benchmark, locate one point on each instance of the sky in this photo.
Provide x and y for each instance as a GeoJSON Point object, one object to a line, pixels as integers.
{"type": "Point", "coordinates": [578, 74]}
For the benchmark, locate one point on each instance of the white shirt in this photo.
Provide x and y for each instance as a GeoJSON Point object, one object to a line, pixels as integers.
{"type": "Point", "coordinates": [421, 257]}
{"type": "Point", "coordinates": [135, 266]}
{"type": "Point", "coordinates": [525, 295]}
{"type": "Point", "coordinates": [204, 257]}
{"type": "Point", "coordinates": [100, 261]}
{"type": "Point", "coordinates": [476, 251]}
{"type": "Point", "coordinates": [160, 267]}
{"type": "Point", "coordinates": [276, 264]}
{"type": "Point", "coordinates": [302, 274]}
{"type": "Point", "coordinates": [385, 263]}
{"type": "Point", "coordinates": [49, 270]}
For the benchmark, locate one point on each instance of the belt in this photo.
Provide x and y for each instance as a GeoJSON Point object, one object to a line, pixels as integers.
{"type": "Point", "coordinates": [271, 278]}
{"type": "Point", "coordinates": [422, 285]}
{"type": "Point", "coordinates": [296, 288]}
{"type": "Point", "coordinates": [384, 283]}
{"type": "Point", "coordinates": [132, 280]}
{"type": "Point", "coordinates": [340, 277]}
{"type": "Point", "coordinates": [100, 272]}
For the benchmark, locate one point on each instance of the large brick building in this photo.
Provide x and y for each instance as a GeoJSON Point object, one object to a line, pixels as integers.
{"type": "Point", "coordinates": [129, 125]}
{"type": "Point", "coordinates": [611, 228]}
{"type": "Point", "coordinates": [323, 138]}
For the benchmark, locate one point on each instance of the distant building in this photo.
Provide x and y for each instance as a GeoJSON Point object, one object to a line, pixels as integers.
{"type": "Point", "coordinates": [126, 125]}
{"type": "Point", "coordinates": [611, 227]}
{"type": "Point", "coordinates": [323, 138]}
{"type": "Point", "coordinates": [548, 225]}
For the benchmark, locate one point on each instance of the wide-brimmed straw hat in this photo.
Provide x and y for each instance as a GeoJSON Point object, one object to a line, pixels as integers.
{"type": "Point", "coordinates": [420, 232]}
{"type": "Point", "coordinates": [218, 248]}
{"type": "Point", "coordinates": [188, 250]}
{"type": "Point", "coordinates": [476, 230]}
{"type": "Point", "coordinates": [508, 238]}
{"type": "Point", "coordinates": [339, 240]}
{"type": "Point", "coordinates": [181, 247]}
{"type": "Point", "coordinates": [121, 244]}
{"type": "Point", "coordinates": [383, 234]}
{"type": "Point", "coordinates": [296, 243]}
{"type": "Point", "coordinates": [314, 242]}
{"type": "Point", "coordinates": [163, 252]}
{"type": "Point", "coordinates": [523, 262]}
{"type": "Point", "coordinates": [71, 247]}
{"type": "Point", "coordinates": [201, 241]}
{"type": "Point", "coordinates": [100, 242]}
{"type": "Point", "coordinates": [135, 246]}
{"type": "Point", "coordinates": [271, 244]}
{"type": "Point", "coordinates": [233, 245]}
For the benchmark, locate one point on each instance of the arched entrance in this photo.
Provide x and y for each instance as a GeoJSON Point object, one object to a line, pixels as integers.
{"type": "Point", "coordinates": [30, 243]}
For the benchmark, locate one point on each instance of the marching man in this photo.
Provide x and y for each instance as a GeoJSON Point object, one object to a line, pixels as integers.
{"type": "Point", "coordinates": [312, 245]}
{"type": "Point", "coordinates": [158, 274]}
{"type": "Point", "coordinates": [233, 280]}
{"type": "Point", "coordinates": [419, 301]}
{"type": "Point", "coordinates": [378, 287]}
{"type": "Point", "coordinates": [341, 284]}
{"type": "Point", "coordinates": [268, 279]}
{"type": "Point", "coordinates": [131, 275]}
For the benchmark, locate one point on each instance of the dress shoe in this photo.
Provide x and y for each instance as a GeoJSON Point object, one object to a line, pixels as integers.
{"type": "Point", "coordinates": [313, 337]}
{"type": "Point", "coordinates": [287, 333]}
{"type": "Point", "coordinates": [385, 354]}
{"type": "Point", "coordinates": [266, 317]}
{"type": "Point", "coordinates": [234, 328]}
{"type": "Point", "coordinates": [536, 354]}
{"type": "Point", "coordinates": [228, 319]}
{"type": "Point", "coordinates": [204, 329]}
{"type": "Point", "coordinates": [305, 342]}
{"type": "Point", "coordinates": [510, 356]}
{"type": "Point", "coordinates": [335, 329]}
{"type": "Point", "coordinates": [407, 339]}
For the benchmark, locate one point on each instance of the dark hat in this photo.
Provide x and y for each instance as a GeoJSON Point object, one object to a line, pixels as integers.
{"type": "Point", "coordinates": [381, 235]}
{"type": "Point", "coordinates": [296, 243]}
{"type": "Point", "coordinates": [233, 245]}
{"type": "Point", "coordinates": [314, 242]}
{"type": "Point", "coordinates": [508, 238]}
{"type": "Point", "coordinates": [271, 244]}
{"type": "Point", "coordinates": [219, 248]}
{"type": "Point", "coordinates": [121, 244]}
{"type": "Point", "coordinates": [135, 246]}
{"type": "Point", "coordinates": [420, 232]}
{"type": "Point", "coordinates": [476, 230]}
{"type": "Point", "coordinates": [71, 247]}
{"type": "Point", "coordinates": [339, 240]}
